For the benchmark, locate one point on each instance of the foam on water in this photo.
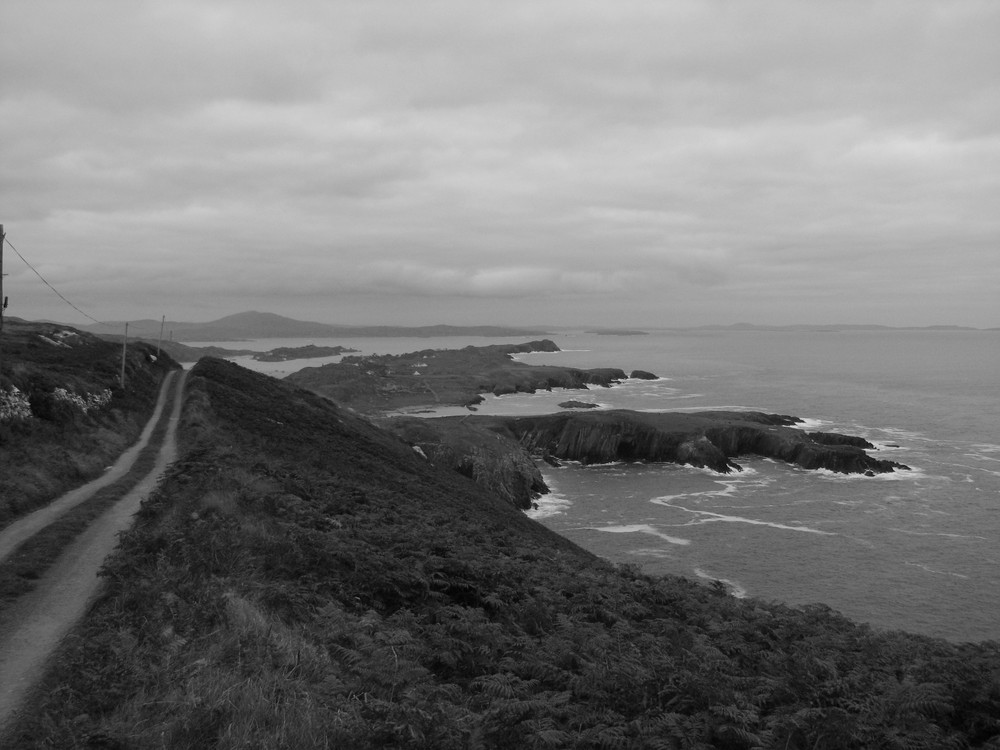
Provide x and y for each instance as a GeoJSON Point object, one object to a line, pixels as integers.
{"type": "Point", "coordinates": [546, 506]}
{"type": "Point", "coordinates": [929, 569]}
{"type": "Point", "coordinates": [940, 533]}
{"type": "Point", "coordinates": [706, 516]}
{"type": "Point", "coordinates": [811, 424]}
{"type": "Point", "coordinates": [641, 528]}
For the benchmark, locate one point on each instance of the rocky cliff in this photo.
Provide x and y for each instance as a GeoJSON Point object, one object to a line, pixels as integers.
{"type": "Point", "coordinates": [499, 452]}
{"type": "Point", "coordinates": [706, 439]}
{"type": "Point", "coordinates": [495, 462]}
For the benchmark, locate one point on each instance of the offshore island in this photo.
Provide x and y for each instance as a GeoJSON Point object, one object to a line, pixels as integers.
{"type": "Point", "coordinates": [303, 577]}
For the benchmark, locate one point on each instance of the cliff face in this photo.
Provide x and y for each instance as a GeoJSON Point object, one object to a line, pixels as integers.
{"type": "Point", "coordinates": [499, 453]}
{"type": "Point", "coordinates": [493, 461]}
{"type": "Point", "coordinates": [706, 439]}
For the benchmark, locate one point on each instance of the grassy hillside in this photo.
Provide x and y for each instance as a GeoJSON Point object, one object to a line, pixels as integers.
{"type": "Point", "coordinates": [304, 580]}
{"type": "Point", "coordinates": [63, 413]}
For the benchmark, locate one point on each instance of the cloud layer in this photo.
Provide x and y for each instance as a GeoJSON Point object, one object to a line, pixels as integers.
{"type": "Point", "coordinates": [639, 163]}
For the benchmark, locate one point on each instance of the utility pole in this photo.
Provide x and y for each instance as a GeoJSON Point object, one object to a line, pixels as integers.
{"type": "Point", "coordinates": [3, 300]}
{"type": "Point", "coordinates": [160, 340]}
{"type": "Point", "coordinates": [124, 344]}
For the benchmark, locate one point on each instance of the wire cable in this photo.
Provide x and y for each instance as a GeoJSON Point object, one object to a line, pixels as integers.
{"type": "Point", "coordinates": [57, 292]}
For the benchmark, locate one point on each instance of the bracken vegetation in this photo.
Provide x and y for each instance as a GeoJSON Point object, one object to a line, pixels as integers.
{"type": "Point", "coordinates": [304, 580]}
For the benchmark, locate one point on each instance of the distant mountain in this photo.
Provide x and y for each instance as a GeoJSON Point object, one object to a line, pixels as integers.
{"type": "Point", "coordinates": [261, 325]}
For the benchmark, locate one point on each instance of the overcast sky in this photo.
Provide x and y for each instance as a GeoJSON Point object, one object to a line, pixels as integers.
{"type": "Point", "coordinates": [640, 163]}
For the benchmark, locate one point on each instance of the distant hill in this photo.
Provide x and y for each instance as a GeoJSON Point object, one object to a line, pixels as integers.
{"type": "Point", "coordinates": [262, 325]}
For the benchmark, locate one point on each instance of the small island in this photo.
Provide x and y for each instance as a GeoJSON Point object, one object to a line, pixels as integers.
{"type": "Point", "coordinates": [310, 351]}
{"type": "Point", "coordinates": [573, 404]}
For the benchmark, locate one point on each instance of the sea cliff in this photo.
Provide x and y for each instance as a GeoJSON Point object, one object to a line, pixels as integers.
{"type": "Point", "coordinates": [712, 440]}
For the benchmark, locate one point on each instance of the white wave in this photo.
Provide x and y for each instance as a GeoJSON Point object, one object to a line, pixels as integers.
{"type": "Point", "coordinates": [735, 588]}
{"type": "Point", "coordinates": [913, 474]}
{"type": "Point", "coordinates": [730, 487]}
{"type": "Point", "coordinates": [945, 534]}
{"type": "Point", "coordinates": [552, 504]}
{"type": "Point", "coordinates": [658, 552]}
{"type": "Point", "coordinates": [929, 569]}
{"type": "Point", "coordinates": [710, 517]}
{"type": "Point", "coordinates": [899, 475]}
{"type": "Point", "coordinates": [986, 447]}
{"type": "Point", "coordinates": [640, 528]}
{"type": "Point", "coordinates": [812, 424]}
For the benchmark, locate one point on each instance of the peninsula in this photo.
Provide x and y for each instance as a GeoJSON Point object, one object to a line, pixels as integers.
{"type": "Point", "coordinates": [449, 377]}
{"type": "Point", "coordinates": [500, 452]}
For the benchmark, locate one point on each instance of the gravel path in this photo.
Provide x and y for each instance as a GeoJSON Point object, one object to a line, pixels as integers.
{"type": "Point", "coordinates": [32, 628]}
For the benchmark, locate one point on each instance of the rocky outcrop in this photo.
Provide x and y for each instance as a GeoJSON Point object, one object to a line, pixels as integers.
{"type": "Point", "coordinates": [642, 375]}
{"type": "Point", "coordinates": [833, 438]}
{"type": "Point", "coordinates": [499, 453]}
{"type": "Point", "coordinates": [706, 439]}
{"type": "Point", "coordinates": [573, 404]}
{"type": "Point", "coordinates": [493, 461]}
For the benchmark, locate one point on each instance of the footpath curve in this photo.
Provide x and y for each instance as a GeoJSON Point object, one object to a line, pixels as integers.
{"type": "Point", "coordinates": [37, 622]}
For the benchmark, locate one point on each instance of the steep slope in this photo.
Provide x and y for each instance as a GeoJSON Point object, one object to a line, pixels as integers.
{"type": "Point", "coordinates": [305, 580]}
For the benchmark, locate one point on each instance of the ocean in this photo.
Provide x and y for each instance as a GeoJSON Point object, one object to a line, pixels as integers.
{"type": "Point", "coordinates": [917, 550]}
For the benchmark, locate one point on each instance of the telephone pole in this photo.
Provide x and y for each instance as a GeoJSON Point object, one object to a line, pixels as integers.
{"type": "Point", "coordinates": [124, 344]}
{"type": "Point", "coordinates": [3, 300]}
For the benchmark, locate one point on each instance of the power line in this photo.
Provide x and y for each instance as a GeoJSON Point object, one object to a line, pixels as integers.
{"type": "Point", "coordinates": [57, 292]}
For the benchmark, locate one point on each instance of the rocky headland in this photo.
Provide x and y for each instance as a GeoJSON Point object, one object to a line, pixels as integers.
{"type": "Point", "coordinates": [500, 452]}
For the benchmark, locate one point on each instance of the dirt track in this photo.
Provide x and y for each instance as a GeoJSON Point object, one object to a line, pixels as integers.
{"type": "Point", "coordinates": [32, 628]}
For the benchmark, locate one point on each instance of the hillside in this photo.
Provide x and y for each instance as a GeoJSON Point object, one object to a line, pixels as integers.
{"type": "Point", "coordinates": [304, 580]}
{"type": "Point", "coordinates": [64, 415]}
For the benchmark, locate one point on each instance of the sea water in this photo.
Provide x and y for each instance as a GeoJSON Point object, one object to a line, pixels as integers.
{"type": "Point", "coordinates": [917, 550]}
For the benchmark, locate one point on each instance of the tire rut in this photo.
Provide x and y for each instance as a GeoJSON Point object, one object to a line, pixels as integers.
{"type": "Point", "coordinates": [31, 629]}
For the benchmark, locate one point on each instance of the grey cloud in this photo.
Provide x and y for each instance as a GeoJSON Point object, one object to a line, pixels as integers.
{"type": "Point", "coordinates": [545, 153]}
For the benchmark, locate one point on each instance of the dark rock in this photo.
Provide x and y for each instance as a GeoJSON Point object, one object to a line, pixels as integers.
{"type": "Point", "coordinates": [643, 375]}
{"type": "Point", "coordinates": [833, 438]}
{"type": "Point", "coordinates": [706, 439]}
{"type": "Point", "coordinates": [494, 462]}
{"type": "Point", "coordinates": [578, 405]}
